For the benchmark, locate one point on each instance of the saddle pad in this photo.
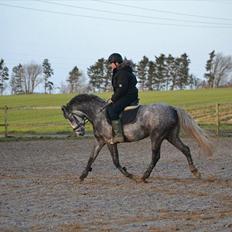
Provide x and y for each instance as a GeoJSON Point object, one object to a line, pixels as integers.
{"type": "Point", "coordinates": [129, 115]}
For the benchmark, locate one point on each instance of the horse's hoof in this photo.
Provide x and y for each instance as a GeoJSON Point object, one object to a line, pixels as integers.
{"type": "Point", "coordinates": [196, 174]}
{"type": "Point", "coordinates": [144, 180]}
{"type": "Point", "coordinates": [130, 176]}
{"type": "Point", "coordinates": [134, 178]}
{"type": "Point", "coordinates": [124, 168]}
{"type": "Point", "coordinates": [82, 177]}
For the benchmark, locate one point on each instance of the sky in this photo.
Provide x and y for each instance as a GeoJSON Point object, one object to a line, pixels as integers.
{"type": "Point", "coordinates": [78, 32]}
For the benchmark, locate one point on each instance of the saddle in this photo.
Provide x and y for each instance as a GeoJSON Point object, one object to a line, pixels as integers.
{"type": "Point", "coordinates": [129, 114]}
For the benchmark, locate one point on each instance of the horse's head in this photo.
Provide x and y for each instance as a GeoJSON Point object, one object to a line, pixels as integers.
{"type": "Point", "coordinates": [77, 120]}
{"type": "Point", "coordinates": [80, 109]}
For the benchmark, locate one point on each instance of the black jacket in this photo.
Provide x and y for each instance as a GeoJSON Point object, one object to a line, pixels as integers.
{"type": "Point", "coordinates": [124, 83]}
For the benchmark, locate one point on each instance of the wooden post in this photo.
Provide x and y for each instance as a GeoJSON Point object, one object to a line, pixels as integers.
{"type": "Point", "coordinates": [6, 121]}
{"type": "Point", "coordinates": [217, 119]}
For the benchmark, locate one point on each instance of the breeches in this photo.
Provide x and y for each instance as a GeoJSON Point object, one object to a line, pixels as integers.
{"type": "Point", "coordinates": [117, 107]}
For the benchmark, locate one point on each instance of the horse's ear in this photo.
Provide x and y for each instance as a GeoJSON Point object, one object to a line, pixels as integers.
{"type": "Point", "coordinates": [65, 111]}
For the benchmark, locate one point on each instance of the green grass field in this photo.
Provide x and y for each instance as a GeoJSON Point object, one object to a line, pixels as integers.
{"type": "Point", "coordinates": [200, 104]}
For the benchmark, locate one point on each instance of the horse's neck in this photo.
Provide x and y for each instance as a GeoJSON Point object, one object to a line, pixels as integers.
{"type": "Point", "coordinates": [91, 111]}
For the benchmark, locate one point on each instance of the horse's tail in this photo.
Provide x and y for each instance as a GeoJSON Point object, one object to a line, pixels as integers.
{"type": "Point", "coordinates": [191, 127]}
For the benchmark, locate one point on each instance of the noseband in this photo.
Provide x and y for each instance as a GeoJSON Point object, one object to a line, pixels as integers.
{"type": "Point", "coordinates": [75, 117]}
{"type": "Point", "coordinates": [80, 124]}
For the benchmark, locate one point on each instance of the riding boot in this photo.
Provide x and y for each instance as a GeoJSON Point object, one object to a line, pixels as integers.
{"type": "Point", "coordinates": [117, 129]}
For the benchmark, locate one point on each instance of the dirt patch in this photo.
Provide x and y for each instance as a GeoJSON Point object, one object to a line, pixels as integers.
{"type": "Point", "coordinates": [40, 188]}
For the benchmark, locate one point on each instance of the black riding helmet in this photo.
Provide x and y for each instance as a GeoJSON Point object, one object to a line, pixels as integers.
{"type": "Point", "coordinates": [115, 58]}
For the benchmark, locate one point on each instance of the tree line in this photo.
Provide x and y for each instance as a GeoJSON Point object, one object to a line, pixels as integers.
{"type": "Point", "coordinates": [25, 78]}
{"type": "Point", "coordinates": [167, 72]}
{"type": "Point", "coordinates": [164, 72]}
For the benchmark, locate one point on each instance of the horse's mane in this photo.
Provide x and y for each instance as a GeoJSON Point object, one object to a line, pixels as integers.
{"type": "Point", "coordinates": [85, 98]}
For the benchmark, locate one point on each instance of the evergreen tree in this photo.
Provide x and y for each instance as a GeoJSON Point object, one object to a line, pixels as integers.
{"type": "Point", "coordinates": [151, 73]}
{"type": "Point", "coordinates": [174, 72]}
{"type": "Point", "coordinates": [107, 76]}
{"type": "Point", "coordinates": [183, 78]}
{"type": "Point", "coordinates": [95, 73]}
{"type": "Point", "coordinates": [73, 79]}
{"type": "Point", "coordinates": [170, 70]}
{"type": "Point", "coordinates": [3, 75]}
{"type": "Point", "coordinates": [160, 72]}
{"type": "Point", "coordinates": [50, 86]}
{"type": "Point", "coordinates": [48, 72]}
{"type": "Point", "coordinates": [209, 69]}
{"type": "Point", "coordinates": [17, 79]}
{"type": "Point", "coordinates": [99, 75]}
{"type": "Point", "coordinates": [94, 80]}
{"type": "Point", "coordinates": [142, 72]}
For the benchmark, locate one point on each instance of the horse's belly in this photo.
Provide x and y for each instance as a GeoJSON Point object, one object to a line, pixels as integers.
{"type": "Point", "coordinates": [134, 133]}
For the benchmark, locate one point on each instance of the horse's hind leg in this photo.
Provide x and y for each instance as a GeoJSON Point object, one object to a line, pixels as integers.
{"type": "Point", "coordinates": [115, 156]}
{"type": "Point", "coordinates": [175, 140]}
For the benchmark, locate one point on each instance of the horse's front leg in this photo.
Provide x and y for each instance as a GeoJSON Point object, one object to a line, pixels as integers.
{"type": "Point", "coordinates": [114, 153]}
{"type": "Point", "coordinates": [96, 149]}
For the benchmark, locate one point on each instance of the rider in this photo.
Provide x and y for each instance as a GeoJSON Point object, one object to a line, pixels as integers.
{"type": "Point", "coordinates": [124, 92]}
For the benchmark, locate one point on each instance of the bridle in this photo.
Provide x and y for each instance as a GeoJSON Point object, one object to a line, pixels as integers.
{"type": "Point", "coordinates": [83, 122]}
{"type": "Point", "coordinates": [79, 118]}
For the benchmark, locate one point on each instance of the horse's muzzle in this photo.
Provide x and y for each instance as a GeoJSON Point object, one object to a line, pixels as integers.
{"type": "Point", "coordinates": [80, 131]}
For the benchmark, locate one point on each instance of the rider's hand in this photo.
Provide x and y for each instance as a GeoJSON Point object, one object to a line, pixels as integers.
{"type": "Point", "coordinates": [109, 101]}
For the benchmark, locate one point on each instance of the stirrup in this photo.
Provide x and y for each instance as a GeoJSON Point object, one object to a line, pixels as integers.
{"type": "Point", "coordinates": [111, 141]}
{"type": "Point", "coordinates": [115, 140]}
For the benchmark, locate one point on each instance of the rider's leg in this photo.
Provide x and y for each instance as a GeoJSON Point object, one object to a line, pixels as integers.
{"type": "Point", "coordinates": [117, 129]}
{"type": "Point", "coordinates": [114, 110]}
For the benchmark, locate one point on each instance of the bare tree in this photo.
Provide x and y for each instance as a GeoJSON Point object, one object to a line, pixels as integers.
{"type": "Point", "coordinates": [219, 71]}
{"type": "Point", "coordinates": [64, 87]}
{"type": "Point", "coordinates": [222, 69]}
{"type": "Point", "coordinates": [32, 77]}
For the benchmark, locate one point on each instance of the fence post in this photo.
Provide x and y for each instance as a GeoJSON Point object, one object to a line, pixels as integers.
{"type": "Point", "coordinates": [6, 121]}
{"type": "Point", "coordinates": [217, 119]}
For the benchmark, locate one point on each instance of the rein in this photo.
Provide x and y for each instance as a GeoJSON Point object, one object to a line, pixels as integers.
{"type": "Point", "coordinates": [103, 107]}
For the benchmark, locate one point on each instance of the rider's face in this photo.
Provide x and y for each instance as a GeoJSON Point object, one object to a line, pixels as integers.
{"type": "Point", "coordinates": [113, 66]}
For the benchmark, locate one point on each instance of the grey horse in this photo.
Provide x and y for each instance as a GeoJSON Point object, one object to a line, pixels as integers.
{"type": "Point", "coordinates": [158, 121]}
